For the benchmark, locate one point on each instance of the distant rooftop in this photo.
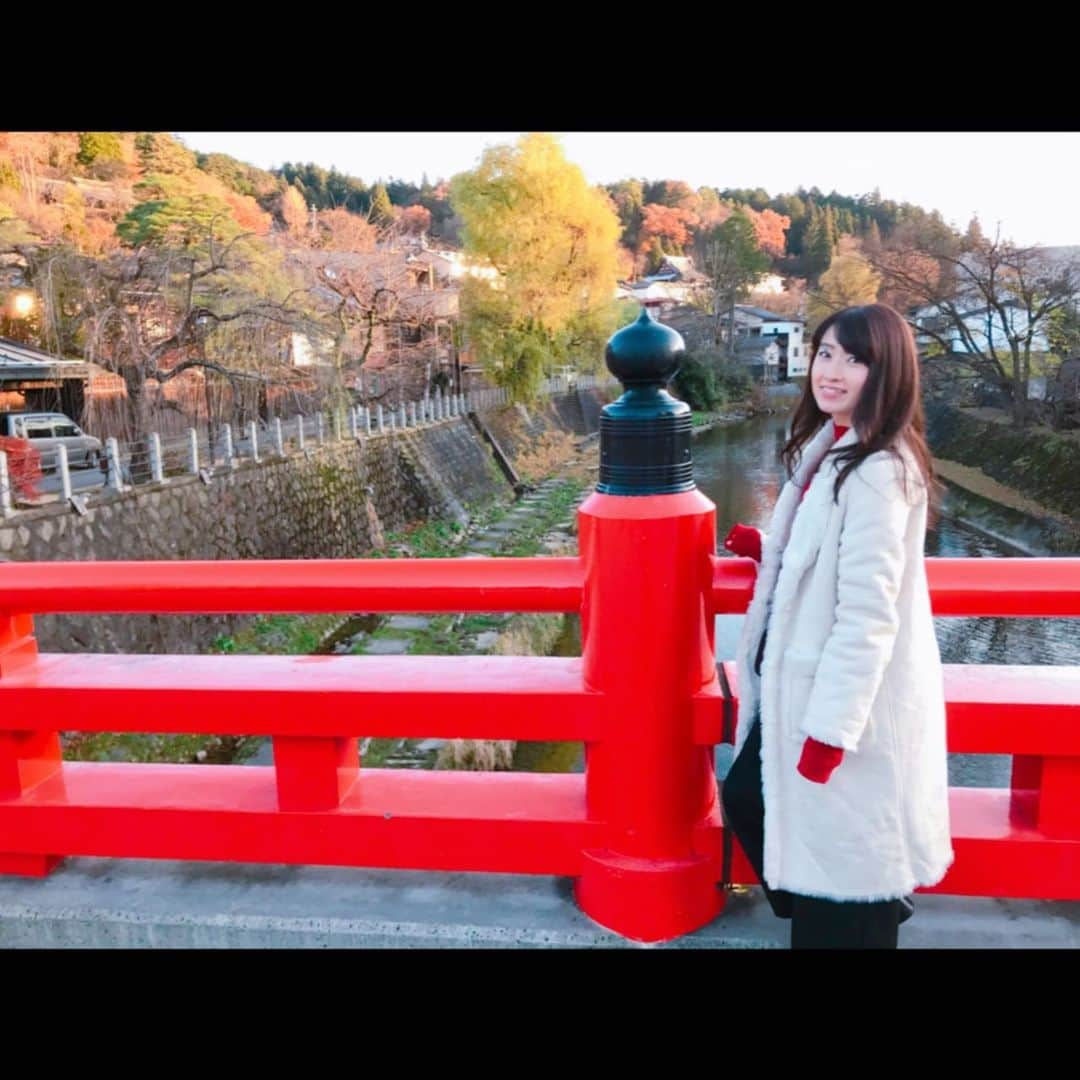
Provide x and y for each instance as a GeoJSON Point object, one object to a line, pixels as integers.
{"type": "Point", "coordinates": [18, 361]}
{"type": "Point", "coordinates": [761, 313]}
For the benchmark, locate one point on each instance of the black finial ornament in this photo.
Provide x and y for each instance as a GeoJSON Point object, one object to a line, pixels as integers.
{"type": "Point", "coordinates": [645, 435]}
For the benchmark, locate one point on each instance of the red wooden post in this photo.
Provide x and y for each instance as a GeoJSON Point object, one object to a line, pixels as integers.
{"type": "Point", "coordinates": [314, 773]}
{"type": "Point", "coordinates": [647, 537]}
{"type": "Point", "coordinates": [1046, 794]}
{"type": "Point", "coordinates": [26, 757]}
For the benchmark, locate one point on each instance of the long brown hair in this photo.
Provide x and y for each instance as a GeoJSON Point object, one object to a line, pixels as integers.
{"type": "Point", "coordinates": [889, 411]}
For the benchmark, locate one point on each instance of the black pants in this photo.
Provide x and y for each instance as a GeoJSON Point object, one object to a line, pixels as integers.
{"type": "Point", "coordinates": [815, 923]}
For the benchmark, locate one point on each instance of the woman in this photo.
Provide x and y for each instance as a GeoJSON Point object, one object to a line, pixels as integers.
{"type": "Point", "coordinates": [838, 792]}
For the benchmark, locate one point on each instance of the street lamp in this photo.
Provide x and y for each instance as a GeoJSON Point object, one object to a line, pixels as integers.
{"type": "Point", "coordinates": [17, 315]}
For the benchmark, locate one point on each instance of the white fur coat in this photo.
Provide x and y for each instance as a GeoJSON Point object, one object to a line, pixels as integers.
{"type": "Point", "coordinates": [851, 659]}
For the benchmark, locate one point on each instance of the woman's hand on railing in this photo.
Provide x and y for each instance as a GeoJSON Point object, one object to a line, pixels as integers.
{"type": "Point", "coordinates": [744, 541]}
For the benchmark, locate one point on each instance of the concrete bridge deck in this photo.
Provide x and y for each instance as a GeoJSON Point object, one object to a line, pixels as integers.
{"type": "Point", "coordinates": [114, 903]}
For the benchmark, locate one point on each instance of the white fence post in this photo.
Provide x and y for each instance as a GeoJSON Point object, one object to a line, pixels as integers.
{"type": "Point", "coordinates": [279, 437]}
{"type": "Point", "coordinates": [63, 470]}
{"type": "Point", "coordinates": [193, 452]}
{"type": "Point", "coordinates": [253, 434]}
{"type": "Point", "coordinates": [227, 432]}
{"type": "Point", "coordinates": [112, 454]}
{"type": "Point", "coordinates": [157, 474]}
{"type": "Point", "coordinates": [7, 504]}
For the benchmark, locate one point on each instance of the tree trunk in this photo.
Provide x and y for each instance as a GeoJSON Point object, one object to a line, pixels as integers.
{"type": "Point", "coordinates": [135, 385]}
{"type": "Point", "coordinates": [1019, 389]}
{"type": "Point", "coordinates": [211, 424]}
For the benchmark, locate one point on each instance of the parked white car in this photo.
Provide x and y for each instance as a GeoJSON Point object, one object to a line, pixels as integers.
{"type": "Point", "coordinates": [45, 431]}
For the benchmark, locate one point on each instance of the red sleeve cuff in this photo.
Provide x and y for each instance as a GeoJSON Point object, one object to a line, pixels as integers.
{"type": "Point", "coordinates": [819, 760]}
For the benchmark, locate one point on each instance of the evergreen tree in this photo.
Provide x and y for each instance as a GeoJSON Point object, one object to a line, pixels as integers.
{"type": "Point", "coordinates": [161, 154]}
{"type": "Point", "coordinates": [382, 210]}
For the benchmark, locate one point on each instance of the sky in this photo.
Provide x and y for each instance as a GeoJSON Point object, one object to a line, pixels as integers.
{"type": "Point", "coordinates": [1006, 177]}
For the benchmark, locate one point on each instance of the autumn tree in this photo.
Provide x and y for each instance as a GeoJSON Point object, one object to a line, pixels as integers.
{"type": "Point", "coordinates": [849, 281]}
{"type": "Point", "coordinates": [671, 225]}
{"type": "Point", "coordinates": [340, 230]}
{"type": "Point", "coordinates": [160, 153]}
{"type": "Point", "coordinates": [261, 185]}
{"type": "Point", "coordinates": [248, 215]}
{"type": "Point", "coordinates": [711, 210]}
{"type": "Point", "coordinates": [414, 220]}
{"type": "Point", "coordinates": [364, 304]}
{"type": "Point", "coordinates": [35, 205]}
{"type": "Point", "coordinates": [435, 198]}
{"type": "Point", "coordinates": [98, 145]}
{"type": "Point", "coordinates": [551, 239]}
{"type": "Point", "coordinates": [992, 296]}
{"type": "Point", "coordinates": [769, 230]}
{"type": "Point", "coordinates": [730, 256]}
{"type": "Point", "coordinates": [294, 212]}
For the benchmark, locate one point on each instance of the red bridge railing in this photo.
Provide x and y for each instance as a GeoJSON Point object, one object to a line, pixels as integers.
{"type": "Point", "coordinates": [316, 804]}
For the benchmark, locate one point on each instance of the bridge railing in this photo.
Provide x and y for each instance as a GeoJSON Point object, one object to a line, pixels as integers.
{"type": "Point", "coordinates": [317, 804]}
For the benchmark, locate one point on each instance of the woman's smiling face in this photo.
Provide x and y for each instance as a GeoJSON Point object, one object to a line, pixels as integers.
{"type": "Point", "coordinates": [837, 379]}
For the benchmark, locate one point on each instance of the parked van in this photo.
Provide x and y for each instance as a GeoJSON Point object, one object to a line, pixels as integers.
{"type": "Point", "coordinates": [45, 431]}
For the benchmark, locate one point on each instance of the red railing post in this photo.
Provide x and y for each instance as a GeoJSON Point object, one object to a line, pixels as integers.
{"type": "Point", "coordinates": [646, 538]}
{"type": "Point", "coordinates": [26, 757]}
{"type": "Point", "coordinates": [1044, 787]}
{"type": "Point", "coordinates": [1045, 794]}
{"type": "Point", "coordinates": [314, 773]}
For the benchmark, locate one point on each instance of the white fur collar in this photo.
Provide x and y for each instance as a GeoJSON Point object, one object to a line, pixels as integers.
{"type": "Point", "coordinates": [795, 534]}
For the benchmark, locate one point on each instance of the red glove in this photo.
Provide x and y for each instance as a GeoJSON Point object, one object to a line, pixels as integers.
{"type": "Point", "coordinates": [818, 760]}
{"type": "Point", "coordinates": [745, 541]}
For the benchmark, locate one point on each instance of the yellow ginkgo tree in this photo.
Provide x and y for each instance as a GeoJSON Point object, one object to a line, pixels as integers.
{"type": "Point", "coordinates": [550, 240]}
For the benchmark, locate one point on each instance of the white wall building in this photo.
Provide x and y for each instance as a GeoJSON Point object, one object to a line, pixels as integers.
{"type": "Point", "coordinates": [787, 332]}
{"type": "Point", "coordinates": [986, 327]}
